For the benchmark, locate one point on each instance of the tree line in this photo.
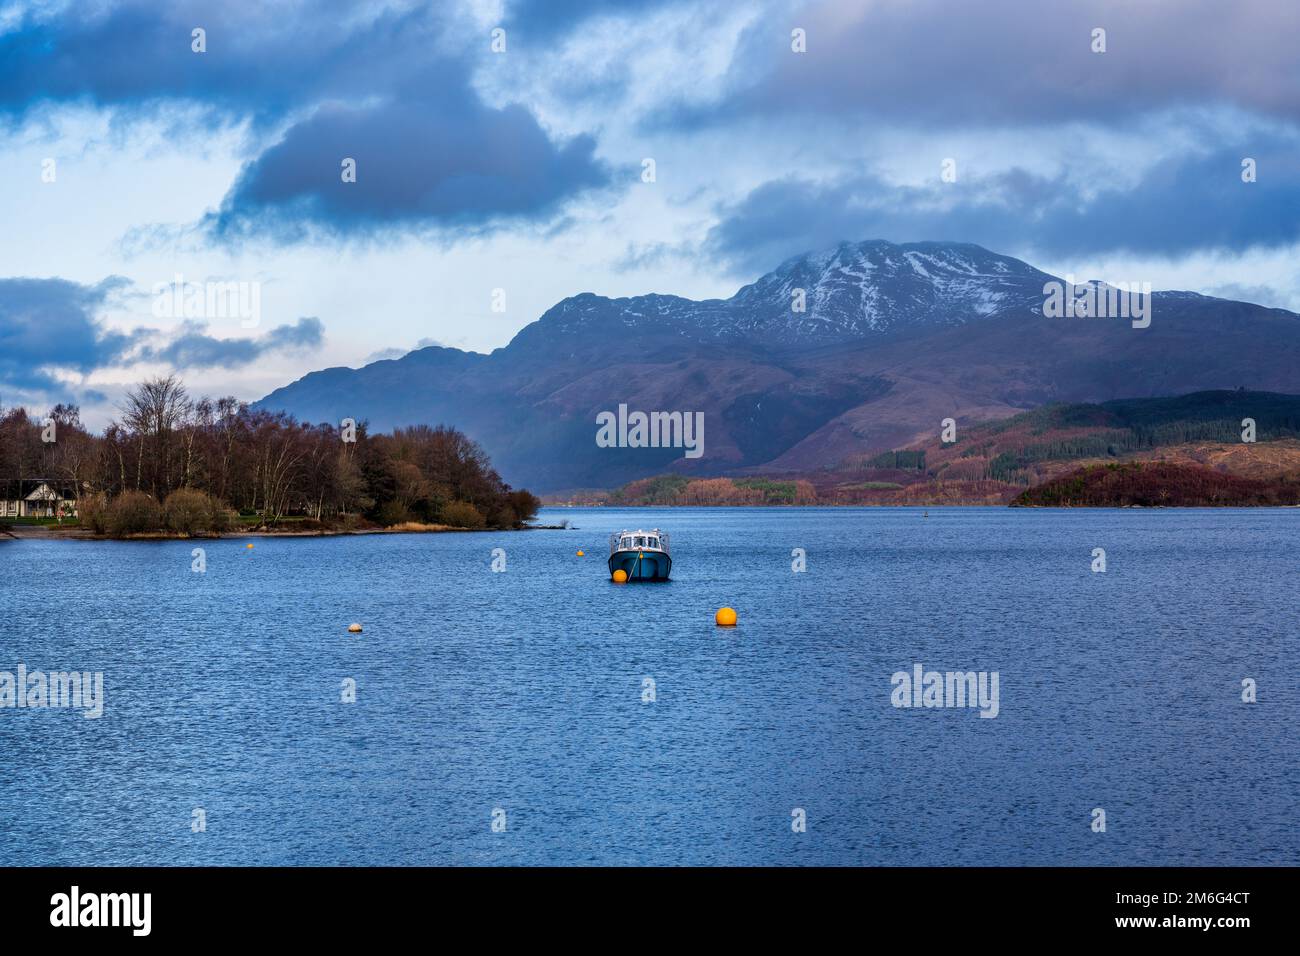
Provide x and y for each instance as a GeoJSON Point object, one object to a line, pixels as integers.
{"type": "Point", "coordinates": [265, 465]}
{"type": "Point", "coordinates": [1158, 484]}
{"type": "Point", "coordinates": [679, 490]}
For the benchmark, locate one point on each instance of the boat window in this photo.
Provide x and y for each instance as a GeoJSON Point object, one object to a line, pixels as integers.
{"type": "Point", "coordinates": [654, 542]}
{"type": "Point", "coordinates": [627, 542]}
{"type": "Point", "coordinates": [640, 541]}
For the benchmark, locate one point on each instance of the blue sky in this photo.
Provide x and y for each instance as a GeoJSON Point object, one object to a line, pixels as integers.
{"type": "Point", "coordinates": [521, 170]}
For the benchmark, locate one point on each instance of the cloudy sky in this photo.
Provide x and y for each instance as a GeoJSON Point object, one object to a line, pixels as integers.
{"type": "Point", "coordinates": [515, 161]}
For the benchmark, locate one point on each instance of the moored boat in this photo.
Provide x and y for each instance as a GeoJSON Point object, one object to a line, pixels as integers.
{"type": "Point", "coordinates": [641, 555]}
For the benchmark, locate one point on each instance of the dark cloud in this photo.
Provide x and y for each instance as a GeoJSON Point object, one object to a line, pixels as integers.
{"type": "Point", "coordinates": [1186, 204]}
{"type": "Point", "coordinates": [48, 324]}
{"type": "Point", "coordinates": [443, 161]}
{"type": "Point", "coordinates": [52, 325]}
{"type": "Point", "coordinates": [260, 61]}
{"type": "Point", "coordinates": [307, 333]}
{"type": "Point", "coordinates": [1012, 61]}
{"type": "Point", "coordinates": [193, 348]}
{"type": "Point", "coordinates": [390, 88]}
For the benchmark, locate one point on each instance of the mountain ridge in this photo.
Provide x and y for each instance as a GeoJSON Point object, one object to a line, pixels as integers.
{"type": "Point", "coordinates": [914, 285]}
{"type": "Point", "coordinates": [881, 355]}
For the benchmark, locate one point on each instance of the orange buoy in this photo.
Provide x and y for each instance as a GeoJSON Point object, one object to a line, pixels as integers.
{"type": "Point", "coordinates": [620, 576]}
{"type": "Point", "coordinates": [726, 617]}
{"type": "Point", "coordinates": [354, 628]}
{"type": "Point", "coordinates": [580, 554]}
{"type": "Point", "coordinates": [248, 545]}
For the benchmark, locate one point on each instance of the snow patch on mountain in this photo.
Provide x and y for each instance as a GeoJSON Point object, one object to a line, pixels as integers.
{"type": "Point", "coordinates": [851, 292]}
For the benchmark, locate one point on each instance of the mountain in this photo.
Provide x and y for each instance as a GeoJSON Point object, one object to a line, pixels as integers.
{"type": "Point", "coordinates": [892, 340]}
{"type": "Point", "coordinates": [853, 292]}
{"type": "Point", "coordinates": [874, 288]}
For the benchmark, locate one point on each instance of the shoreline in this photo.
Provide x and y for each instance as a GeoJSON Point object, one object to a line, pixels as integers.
{"type": "Point", "coordinates": [50, 532]}
{"type": "Point", "coordinates": [74, 533]}
{"type": "Point", "coordinates": [921, 505]}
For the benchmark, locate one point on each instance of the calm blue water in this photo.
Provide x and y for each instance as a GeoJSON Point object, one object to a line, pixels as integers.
{"type": "Point", "coordinates": [523, 691]}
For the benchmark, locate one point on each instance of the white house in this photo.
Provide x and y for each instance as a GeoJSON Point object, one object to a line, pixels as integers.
{"type": "Point", "coordinates": [38, 498]}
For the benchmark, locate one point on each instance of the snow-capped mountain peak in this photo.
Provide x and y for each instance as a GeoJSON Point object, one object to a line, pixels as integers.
{"type": "Point", "coordinates": [858, 289]}
{"type": "Point", "coordinates": [852, 291]}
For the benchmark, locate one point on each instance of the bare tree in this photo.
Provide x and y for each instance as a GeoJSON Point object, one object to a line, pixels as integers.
{"type": "Point", "coordinates": [154, 411]}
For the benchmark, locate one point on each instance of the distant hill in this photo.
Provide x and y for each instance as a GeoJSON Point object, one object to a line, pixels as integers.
{"type": "Point", "coordinates": [1158, 485]}
{"type": "Point", "coordinates": [892, 339]}
{"type": "Point", "coordinates": [1027, 447]}
{"type": "Point", "coordinates": [995, 462]}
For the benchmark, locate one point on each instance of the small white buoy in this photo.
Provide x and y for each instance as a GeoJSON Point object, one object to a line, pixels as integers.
{"type": "Point", "coordinates": [354, 628]}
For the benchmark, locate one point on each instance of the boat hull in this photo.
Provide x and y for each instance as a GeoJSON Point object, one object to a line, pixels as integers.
{"type": "Point", "coordinates": [641, 565]}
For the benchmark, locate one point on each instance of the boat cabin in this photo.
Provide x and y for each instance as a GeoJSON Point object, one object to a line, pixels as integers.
{"type": "Point", "coordinates": [654, 540]}
{"type": "Point", "coordinates": [639, 556]}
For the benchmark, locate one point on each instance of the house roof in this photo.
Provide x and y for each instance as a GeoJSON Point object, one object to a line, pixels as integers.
{"type": "Point", "coordinates": [12, 489]}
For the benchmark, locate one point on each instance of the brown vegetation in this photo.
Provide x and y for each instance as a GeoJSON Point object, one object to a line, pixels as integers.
{"type": "Point", "coordinates": [1158, 484]}
{"type": "Point", "coordinates": [183, 465]}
